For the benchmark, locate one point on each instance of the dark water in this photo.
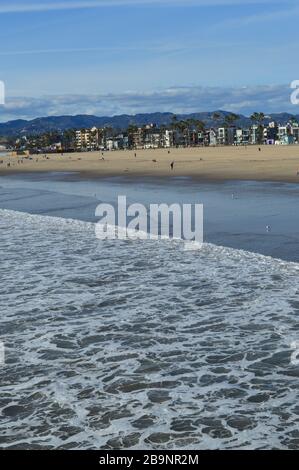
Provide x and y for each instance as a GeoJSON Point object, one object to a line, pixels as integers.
{"type": "Point", "coordinates": [236, 214]}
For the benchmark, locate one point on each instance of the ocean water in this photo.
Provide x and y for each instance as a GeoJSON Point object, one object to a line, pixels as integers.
{"type": "Point", "coordinates": [141, 344]}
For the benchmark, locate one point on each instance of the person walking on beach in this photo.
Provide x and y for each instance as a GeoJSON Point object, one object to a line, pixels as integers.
{"type": "Point", "coordinates": [172, 166]}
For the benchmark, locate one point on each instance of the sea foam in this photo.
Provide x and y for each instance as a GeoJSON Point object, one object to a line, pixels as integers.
{"type": "Point", "coordinates": [143, 344]}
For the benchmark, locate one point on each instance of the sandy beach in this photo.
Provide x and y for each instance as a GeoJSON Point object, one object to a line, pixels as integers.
{"type": "Point", "coordinates": [279, 163]}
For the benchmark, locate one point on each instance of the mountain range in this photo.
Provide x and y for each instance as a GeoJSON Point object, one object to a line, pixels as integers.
{"type": "Point", "coordinates": [36, 126]}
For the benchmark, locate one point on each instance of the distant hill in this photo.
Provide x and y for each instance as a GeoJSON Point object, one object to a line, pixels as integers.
{"type": "Point", "coordinates": [61, 123]}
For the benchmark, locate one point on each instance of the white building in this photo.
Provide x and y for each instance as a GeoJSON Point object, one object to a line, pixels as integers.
{"type": "Point", "coordinates": [254, 135]}
{"type": "Point", "coordinates": [226, 135]}
{"type": "Point", "coordinates": [167, 139]}
{"type": "Point", "coordinates": [212, 137]}
{"type": "Point", "coordinates": [242, 137]}
{"type": "Point", "coordinates": [295, 131]}
{"type": "Point", "coordinates": [112, 144]}
{"type": "Point", "coordinates": [152, 139]}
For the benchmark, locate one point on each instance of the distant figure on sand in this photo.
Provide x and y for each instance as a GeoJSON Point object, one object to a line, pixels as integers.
{"type": "Point", "coordinates": [260, 149]}
{"type": "Point", "coordinates": [172, 165]}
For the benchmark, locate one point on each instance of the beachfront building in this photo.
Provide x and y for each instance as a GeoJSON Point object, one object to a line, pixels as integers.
{"type": "Point", "coordinates": [226, 136]}
{"type": "Point", "coordinates": [242, 137]}
{"type": "Point", "coordinates": [295, 131]}
{"type": "Point", "coordinates": [88, 139]}
{"type": "Point", "coordinates": [83, 139]}
{"type": "Point", "coordinates": [285, 135]}
{"type": "Point", "coordinates": [122, 141]}
{"type": "Point", "coordinates": [111, 144]}
{"type": "Point", "coordinates": [222, 136]}
{"type": "Point", "coordinates": [270, 133]}
{"type": "Point", "coordinates": [289, 134]}
{"type": "Point", "coordinates": [255, 135]}
{"type": "Point", "coordinates": [167, 138]}
{"type": "Point", "coordinates": [119, 142]}
{"type": "Point", "coordinates": [152, 138]}
{"type": "Point", "coordinates": [137, 138]}
{"type": "Point", "coordinates": [203, 138]}
{"type": "Point", "coordinates": [212, 137]}
{"type": "Point", "coordinates": [179, 138]}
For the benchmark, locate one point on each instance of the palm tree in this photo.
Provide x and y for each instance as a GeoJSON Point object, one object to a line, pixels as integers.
{"type": "Point", "coordinates": [200, 125]}
{"type": "Point", "coordinates": [216, 116]}
{"type": "Point", "coordinates": [132, 129]}
{"type": "Point", "coordinates": [259, 118]}
{"type": "Point", "coordinates": [184, 127]}
{"type": "Point", "coordinates": [175, 126]}
{"type": "Point", "coordinates": [68, 139]}
{"type": "Point", "coordinates": [230, 119]}
{"type": "Point", "coordinates": [195, 126]}
{"type": "Point", "coordinates": [294, 121]}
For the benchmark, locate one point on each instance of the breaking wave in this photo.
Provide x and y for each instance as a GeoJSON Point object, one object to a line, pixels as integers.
{"type": "Point", "coordinates": [143, 344]}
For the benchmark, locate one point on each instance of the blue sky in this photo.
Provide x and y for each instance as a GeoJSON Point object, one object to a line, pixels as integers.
{"type": "Point", "coordinates": [109, 57]}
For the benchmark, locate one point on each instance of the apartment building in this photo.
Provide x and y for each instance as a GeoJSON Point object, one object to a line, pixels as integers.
{"type": "Point", "coordinates": [137, 138]}
{"type": "Point", "coordinates": [152, 137]}
{"type": "Point", "coordinates": [295, 131]}
{"type": "Point", "coordinates": [167, 139]}
{"type": "Point", "coordinates": [285, 135]}
{"type": "Point", "coordinates": [212, 137]}
{"type": "Point", "coordinates": [226, 136]}
{"type": "Point", "coordinates": [242, 137]}
{"type": "Point", "coordinates": [88, 139]}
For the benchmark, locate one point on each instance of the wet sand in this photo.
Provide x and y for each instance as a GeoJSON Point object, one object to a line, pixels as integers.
{"type": "Point", "coordinates": [272, 163]}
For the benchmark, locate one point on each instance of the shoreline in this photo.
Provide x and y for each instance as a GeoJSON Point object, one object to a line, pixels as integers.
{"type": "Point", "coordinates": [236, 222]}
{"type": "Point", "coordinates": [272, 164]}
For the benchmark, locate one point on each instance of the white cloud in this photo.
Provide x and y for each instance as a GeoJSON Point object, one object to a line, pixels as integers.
{"type": "Point", "coordinates": [243, 100]}
{"type": "Point", "coordinates": [124, 48]}
{"type": "Point", "coordinates": [24, 7]}
{"type": "Point", "coordinates": [279, 16]}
